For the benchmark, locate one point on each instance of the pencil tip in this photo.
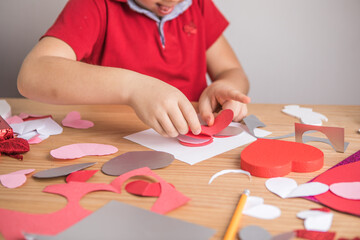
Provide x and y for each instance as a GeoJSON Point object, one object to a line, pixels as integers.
{"type": "Point", "coordinates": [247, 192]}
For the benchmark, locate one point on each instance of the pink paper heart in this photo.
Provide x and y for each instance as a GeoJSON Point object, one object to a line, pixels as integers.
{"type": "Point", "coordinates": [79, 150]}
{"type": "Point", "coordinates": [73, 120]}
{"type": "Point", "coordinates": [15, 179]}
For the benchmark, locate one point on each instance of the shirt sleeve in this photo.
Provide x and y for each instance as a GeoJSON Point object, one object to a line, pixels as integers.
{"type": "Point", "coordinates": [79, 25]}
{"type": "Point", "coordinates": [215, 22]}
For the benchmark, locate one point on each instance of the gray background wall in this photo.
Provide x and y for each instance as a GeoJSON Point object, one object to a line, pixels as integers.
{"type": "Point", "coordinates": [294, 51]}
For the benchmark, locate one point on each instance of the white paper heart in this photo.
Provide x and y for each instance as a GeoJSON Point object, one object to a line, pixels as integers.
{"type": "Point", "coordinates": [315, 220]}
{"type": "Point", "coordinates": [288, 188]}
{"type": "Point", "coordinates": [45, 126]}
{"type": "Point", "coordinates": [255, 207]}
{"type": "Point", "coordinates": [306, 115]}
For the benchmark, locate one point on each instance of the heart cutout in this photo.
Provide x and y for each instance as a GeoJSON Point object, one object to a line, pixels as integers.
{"type": "Point", "coordinates": [348, 190]}
{"type": "Point", "coordinates": [144, 188]}
{"type": "Point", "coordinates": [288, 188]}
{"type": "Point", "coordinates": [15, 179]}
{"type": "Point", "coordinates": [79, 150]}
{"type": "Point", "coordinates": [73, 120]}
{"type": "Point", "coordinates": [255, 207]}
{"type": "Point", "coordinates": [275, 158]}
{"type": "Point", "coordinates": [316, 219]}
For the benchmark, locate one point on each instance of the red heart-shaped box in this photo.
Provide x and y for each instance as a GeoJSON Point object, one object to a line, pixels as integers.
{"type": "Point", "coordinates": [276, 158]}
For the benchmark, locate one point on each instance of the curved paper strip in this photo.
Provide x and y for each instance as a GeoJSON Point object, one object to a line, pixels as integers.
{"type": "Point", "coordinates": [79, 150]}
{"type": "Point", "coordinates": [62, 171]}
{"type": "Point", "coordinates": [80, 176]}
{"type": "Point", "coordinates": [169, 198]}
{"type": "Point", "coordinates": [134, 160]}
{"type": "Point", "coordinates": [73, 120]}
{"type": "Point", "coordinates": [288, 188]}
{"type": "Point", "coordinates": [222, 172]}
{"type": "Point", "coordinates": [348, 190]}
{"type": "Point", "coordinates": [253, 232]}
{"type": "Point", "coordinates": [275, 158]}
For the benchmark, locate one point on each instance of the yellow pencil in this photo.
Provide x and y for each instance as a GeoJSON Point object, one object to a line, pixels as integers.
{"type": "Point", "coordinates": [235, 220]}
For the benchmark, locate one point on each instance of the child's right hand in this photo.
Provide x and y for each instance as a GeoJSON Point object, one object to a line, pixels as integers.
{"type": "Point", "coordinates": [163, 108]}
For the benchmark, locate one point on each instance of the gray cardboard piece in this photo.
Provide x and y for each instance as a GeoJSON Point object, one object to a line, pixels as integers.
{"type": "Point", "coordinates": [62, 171]}
{"type": "Point", "coordinates": [253, 122]}
{"type": "Point", "coordinates": [253, 232]}
{"type": "Point", "coordinates": [118, 220]}
{"type": "Point", "coordinates": [138, 159]}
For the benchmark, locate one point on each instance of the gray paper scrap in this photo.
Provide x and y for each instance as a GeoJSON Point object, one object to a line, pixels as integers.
{"type": "Point", "coordinates": [118, 220]}
{"type": "Point", "coordinates": [62, 171]}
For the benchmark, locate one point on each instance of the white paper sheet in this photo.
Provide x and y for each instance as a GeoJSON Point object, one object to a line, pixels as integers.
{"type": "Point", "coordinates": [192, 155]}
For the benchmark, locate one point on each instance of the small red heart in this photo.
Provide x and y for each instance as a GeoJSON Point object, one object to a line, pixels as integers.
{"type": "Point", "coordinates": [144, 188]}
{"type": "Point", "coordinates": [276, 158]}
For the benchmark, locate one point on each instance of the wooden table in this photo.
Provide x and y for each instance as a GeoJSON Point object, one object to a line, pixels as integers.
{"type": "Point", "coordinates": [211, 205]}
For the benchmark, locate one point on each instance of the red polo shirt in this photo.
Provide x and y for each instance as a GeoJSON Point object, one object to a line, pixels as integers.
{"type": "Point", "coordinates": [109, 33]}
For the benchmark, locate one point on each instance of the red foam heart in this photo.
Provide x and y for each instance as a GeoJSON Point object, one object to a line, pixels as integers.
{"type": "Point", "coordinates": [275, 158]}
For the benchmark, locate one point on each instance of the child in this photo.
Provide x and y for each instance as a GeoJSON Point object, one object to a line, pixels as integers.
{"type": "Point", "coordinates": [152, 55]}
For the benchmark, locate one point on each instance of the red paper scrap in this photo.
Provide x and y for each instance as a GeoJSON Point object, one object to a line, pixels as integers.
{"type": "Point", "coordinates": [144, 188]}
{"type": "Point", "coordinates": [315, 235]}
{"type": "Point", "coordinates": [80, 176]}
{"type": "Point", "coordinates": [169, 198]}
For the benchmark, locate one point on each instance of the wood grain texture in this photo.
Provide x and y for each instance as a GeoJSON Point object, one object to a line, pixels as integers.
{"type": "Point", "coordinates": [210, 205]}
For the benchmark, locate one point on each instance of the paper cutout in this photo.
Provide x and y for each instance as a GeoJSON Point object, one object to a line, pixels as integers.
{"type": "Point", "coordinates": [15, 179]}
{"type": "Point", "coordinates": [53, 223]}
{"type": "Point", "coordinates": [45, 126]}
{"type": "Point", "coordinates": [151, 139]}
{"type": "Point", "coordinates": [62, 171]}
{"type": "Point", "coordinates": [345, 171]}
{"type": "Point", "coordinates": [5, 109]}
{"type": "Point", "coordinates": [315, 235]}
{"type": "Point", "coordinates": [191, 140]}
{"type": "Point", "coordinates": [133, 160]}
{"type": "Point", "coordinates": [334, 134]}
{"type": "Point", "coordinates": [275, 158]}
{"type": "Point", "coordinates": [30, 117]}
{"type": "Point", "coordinates": [207, 132]}
{"type": "Point", "coordinates": [306, 115]}
{"type": "Point", "coordinates": [253, 122]}
{"type": "Point", "coordinates": [169, 198]}
{"type": "Point", "coordinates": [306, 139]}
{"type": "Point", "coordinates": [79, 150]}
{"type": "Point", "coordinates": [229, 131]}
{"type": "Point", "coordinates": [80, 176]}
{"type": "Point", "coordinates": [255, 207]}
{"type": "Point", "coordinates": [14, 119]}
{"type": "Point", "coordinates": [253, 232]}
{"type": "Point", "coordinates": [222, 172]}
{"type": "Point", "coordinates": [144, 188]}
{"type": "Point", "coordinates": [316, 220]}
{"type": "Point", "coordinates": [118, 220]}
{"type": "Point", "coordinates": [348, 190]}
{"type": "Point", "coordinates": [288, 188]}
{"type": "Point", "coordinates": [73, 120]}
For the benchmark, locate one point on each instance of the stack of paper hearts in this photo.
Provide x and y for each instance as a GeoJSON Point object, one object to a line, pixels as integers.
{"type": "Point", "coordinates": [207, 133]}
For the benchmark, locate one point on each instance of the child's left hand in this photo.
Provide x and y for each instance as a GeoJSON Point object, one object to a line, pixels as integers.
{"type": "Point", "coordinates": [219, 94]}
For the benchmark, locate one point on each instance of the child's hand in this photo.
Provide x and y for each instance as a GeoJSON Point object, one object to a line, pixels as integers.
{"type": "Point", "coordinates": [164, 108]}
{"type": "Point", "coordinates": [222, 95]}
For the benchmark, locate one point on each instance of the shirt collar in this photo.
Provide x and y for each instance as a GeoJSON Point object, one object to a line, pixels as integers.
{"type": "Point", "coordinates": [178, 9]}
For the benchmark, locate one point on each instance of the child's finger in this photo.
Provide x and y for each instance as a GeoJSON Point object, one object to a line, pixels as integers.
{"type": "Point", "coordinates": [178, 120]}
{"type": "Point", "coordinates": [235, 95]}
{"type": "Point", "coordinates": [168, 126]}
{"type": "Point", "coordinates": [190, 116]}
{"type": "Point", "coordinates": [206, 111]}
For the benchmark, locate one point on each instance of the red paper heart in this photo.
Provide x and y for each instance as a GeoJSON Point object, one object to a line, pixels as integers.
{"type": "Point", "coordinates": [80, 176]}
{"type": "Point", "coordinates": [275, 158]}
